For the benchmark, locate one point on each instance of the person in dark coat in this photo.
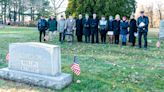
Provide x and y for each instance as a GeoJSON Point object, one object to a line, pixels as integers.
{"type": "Point", "coordinates": [110, 30]}
{"type": "Point", "coordinates": [103, 24]}
{"type": "Point", "coordinates": [132, 30]}
{"type": "Point", "coordinates": [52, 26]}
{"type": "Point", "coordinates": [142, 24]}
{"type": "Point", "coordinates": [94, 29]}
{"type": "Point", "coordinates": [42, 27]}
{"type": "Point", "coordinates": [86, 28]}
{"type": "Point", "coordinates": [116, 28]}
{"type": "Point", "coordinates": [79, 28]}
{"type": "Point", "coordinates": [124, 30]}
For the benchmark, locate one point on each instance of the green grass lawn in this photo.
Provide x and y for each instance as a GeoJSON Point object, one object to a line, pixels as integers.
{"type": "Point", "coordinates": [104, 68]}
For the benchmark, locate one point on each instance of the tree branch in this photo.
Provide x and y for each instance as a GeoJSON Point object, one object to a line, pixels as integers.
{"type": "Point", "coordinates": [59, 4]}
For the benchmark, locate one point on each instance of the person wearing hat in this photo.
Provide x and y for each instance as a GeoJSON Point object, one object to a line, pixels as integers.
{"type": "Point", "coordinates": [132, 30]}
{"type": "Point", "coordinates": [52, 26]}
{"type": "Point", "coordinates": [116, 28]}
{"type": "Point", "coordinates": [142, 24]}
{"type": "Point", "coordinates": [94, 28]}
{"type": "Point", "coordinates": [124, 30]}
{"type": "Point", "coordinates": [42, 27]}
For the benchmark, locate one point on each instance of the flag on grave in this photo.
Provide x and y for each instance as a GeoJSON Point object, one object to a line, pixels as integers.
{"type": "Point", "coordinates": [75, 66]}
{"type": "Point", "coordinates": [7, 57]}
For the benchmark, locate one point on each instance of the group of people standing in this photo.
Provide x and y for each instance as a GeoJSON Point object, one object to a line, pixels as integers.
{"type": "Point", "coordinates": [90, 28]}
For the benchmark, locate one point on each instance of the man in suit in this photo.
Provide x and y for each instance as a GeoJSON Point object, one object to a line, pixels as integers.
{"type": "Point", "coordinates": [94, 29]}
{"type": "Point", "coordinates": [70, 27]}
{"type": "Point", "coordinates": [86, 28]}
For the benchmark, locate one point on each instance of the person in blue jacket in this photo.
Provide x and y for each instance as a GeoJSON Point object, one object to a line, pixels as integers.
{"type": "Point", "coordinates": [124, 30]}
{"type": "Point", "coordinates": [42, 27]}
{"type": "Point", "coordinates": [142, 24]}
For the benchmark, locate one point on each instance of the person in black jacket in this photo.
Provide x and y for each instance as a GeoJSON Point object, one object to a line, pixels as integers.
{"type": "Point", "coordinates": [79, 28]}
{"type": "Point", "coordinates": [94, 29]}
{"type": "Point", "coordinates": [42, 27]}
{"type": "Point", "coordinates": [132, 30]}
{"type": "Point", "coordinates": [86, 28]}
{"type": "Point", "coordinates": [110, 29]}
{"type": "Point", "coordinates": [116, 28]}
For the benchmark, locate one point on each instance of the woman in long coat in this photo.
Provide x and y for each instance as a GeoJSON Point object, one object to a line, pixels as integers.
{"type": "Point", "coordinates": [79, 28]}
{"type": "Point", "coordinates": [132, 31]}
{"type": "Point", "coordinates": [116, 29]}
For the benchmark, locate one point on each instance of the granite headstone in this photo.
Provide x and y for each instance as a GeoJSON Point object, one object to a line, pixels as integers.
{"type": "Point", "coordinates": [37, 64]}
{"type": "Point", "coordinates": [161, 30]}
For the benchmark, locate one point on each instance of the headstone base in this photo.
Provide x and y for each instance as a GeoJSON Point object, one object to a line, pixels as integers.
{"type": "Point", "coordinates": [57, 82]}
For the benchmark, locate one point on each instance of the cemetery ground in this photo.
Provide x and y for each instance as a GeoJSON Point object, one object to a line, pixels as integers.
{"type": "Point", "coordinates": [104, 67]}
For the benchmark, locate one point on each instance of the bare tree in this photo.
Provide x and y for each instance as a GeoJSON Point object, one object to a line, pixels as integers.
{"type": "Point", "coordinates": [149, 11]}
{"type": "Point", "coordinates": [159, 9]}
{"type": "Point", "coordinates": [56, 5]}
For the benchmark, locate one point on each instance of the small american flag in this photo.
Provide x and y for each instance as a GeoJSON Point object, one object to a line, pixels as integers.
{"type": "Point", "coordinates": [46, 37]}
{"type": "Point", "coordinates": [158, 44]}
{"type": "Point", "coordinates": [7, 57]}
{"type": "Point", "coordinates": [75, 66]}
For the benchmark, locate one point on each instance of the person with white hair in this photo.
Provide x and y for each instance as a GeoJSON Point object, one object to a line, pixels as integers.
{"type": "Point", "coordinates": [79, 28]}
{"type": "Point", "coordinates": [116, 28]}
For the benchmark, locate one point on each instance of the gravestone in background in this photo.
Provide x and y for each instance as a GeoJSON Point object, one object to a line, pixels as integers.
{"type": "Point", "coordinates": [37, 64]}
{"type": "Point", "coordinates": [161, 30]}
